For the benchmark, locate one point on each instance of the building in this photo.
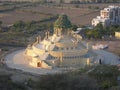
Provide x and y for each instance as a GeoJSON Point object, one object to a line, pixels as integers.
{"type": "Point", "coordinates": [108, 16]}
{"type": "Point", "coordinates": [117, 35]}
{"type": "Point", "coordinates": [63, 49]}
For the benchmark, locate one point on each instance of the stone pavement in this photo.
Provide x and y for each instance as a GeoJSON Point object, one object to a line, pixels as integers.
{"type": "Point", "coordinates": [16, 60]}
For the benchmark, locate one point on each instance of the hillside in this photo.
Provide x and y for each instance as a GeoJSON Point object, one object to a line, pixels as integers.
{"type": "Point", "coordinates": [68, 1]}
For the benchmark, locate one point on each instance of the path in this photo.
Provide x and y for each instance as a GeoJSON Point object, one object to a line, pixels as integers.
{"type": "Point", "coordinates": [16, 60]}
{"type": "Point", "coordinates": [108, 57]}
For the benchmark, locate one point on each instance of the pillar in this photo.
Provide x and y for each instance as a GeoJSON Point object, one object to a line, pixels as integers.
{"type": "Point", "coordinates": [46, 35]}
{"type": "Point", "coordinates": [37, 39]}
{"type": "Point", "coordinates": [61, 59]}
{"type": "Point", "coordinates": [40, 39]}
{"type": "Point", "coordinates": [88, 61]}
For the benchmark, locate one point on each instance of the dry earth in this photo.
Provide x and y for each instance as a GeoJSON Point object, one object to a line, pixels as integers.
{"type": "Point", "coordinates": [114, 46]}
{"type": "Point", "coordinates": [16, 75]}
{"type": "Point", "coordinates": [80, 16]}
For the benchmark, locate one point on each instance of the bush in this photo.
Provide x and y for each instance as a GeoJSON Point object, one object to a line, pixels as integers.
{"type": "Point", "coordinates": [105, 72]}
{"type": "Point", "coordinates": [66, 82]}
{"type": "Point", "coordinates": [106, 75]}
{"type": "Point", "coordinates": [106, 84]}
{"type": "Point", "coordinates": [7, 84]}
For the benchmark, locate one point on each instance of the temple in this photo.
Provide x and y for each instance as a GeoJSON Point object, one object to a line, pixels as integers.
{"type": "Point", "coordinates": [62, 49]}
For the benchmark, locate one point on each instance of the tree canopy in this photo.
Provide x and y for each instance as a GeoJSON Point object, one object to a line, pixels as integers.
{"type": "Point", "coordinates": [62, 22]}
{"type": "Point", "coordinates": [99, 31]}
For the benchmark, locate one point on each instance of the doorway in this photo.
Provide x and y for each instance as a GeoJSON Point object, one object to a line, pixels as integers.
{"type": "Point", "coordinates": [38, 64]}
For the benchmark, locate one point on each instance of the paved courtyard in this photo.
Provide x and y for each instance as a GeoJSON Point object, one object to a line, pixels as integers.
{"type": "Point", "coordinates": [17, 60]}
{"type": "Point", "coordinates": [108, 57]}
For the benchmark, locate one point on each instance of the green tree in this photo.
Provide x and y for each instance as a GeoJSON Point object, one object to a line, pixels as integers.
{"type": "Point", "coordinates": [66, 82]}
{"type": "Point", "coordinates": [105, 71]}
{"type": "Point", "coordinates": [74, 27]}
{"type": "Point", "coordinates": [19, 26]}
{"type": "Point", "coordinates": [62, 22]}
{"type": "Point", "coordinates": [106, 75]}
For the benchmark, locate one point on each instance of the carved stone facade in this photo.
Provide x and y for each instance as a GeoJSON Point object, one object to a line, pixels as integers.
{"type": "Point", "coordinates": [60, 51]}
{"type": "Point", "coordinates": [63, 49]}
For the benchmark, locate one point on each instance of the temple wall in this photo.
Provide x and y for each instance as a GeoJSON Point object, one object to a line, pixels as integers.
{"type": "Point", "coordinates": [45, 65]}
{"type": "Point", "coordinates": [53, 63]}
{"type": "Point", "coordinates": [38, 51]}
{"type": "Point", "coordinates": [45, 42]}
{"type": "Point", "coordinates": [64, 45]}
{"type": "Point", "coordinates": [29, 52]}
{"type": "Point", "coordinates": [76, 62]}
{"type": "Point", "coordinates": [48, 64]}
{"type": "Point", "coordinates": [75, 53]}
{"type": "Point", "coordinates": [33, 62]}
{"type": "Point", "coordinates": [55, 53]}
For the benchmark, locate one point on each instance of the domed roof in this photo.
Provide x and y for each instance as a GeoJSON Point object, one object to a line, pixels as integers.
{"type": "Point", "coordinates": [62, 22]}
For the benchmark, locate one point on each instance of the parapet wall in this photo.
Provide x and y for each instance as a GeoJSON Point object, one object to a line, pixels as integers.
{"type": "Point", "coordinates": [75, 62]}
{"type": "Point", "coordinates": [72, 53]}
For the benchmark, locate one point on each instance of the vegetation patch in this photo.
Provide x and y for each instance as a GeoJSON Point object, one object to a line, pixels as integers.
{"type": "Point", "coordinates": [100, 32]}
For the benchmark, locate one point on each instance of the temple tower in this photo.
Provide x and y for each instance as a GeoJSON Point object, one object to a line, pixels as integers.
{"type": "Point", "coordinates": [62, 25]}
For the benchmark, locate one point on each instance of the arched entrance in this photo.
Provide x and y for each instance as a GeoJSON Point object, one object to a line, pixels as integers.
{"type": "Point", "coordinates": [38, 64]}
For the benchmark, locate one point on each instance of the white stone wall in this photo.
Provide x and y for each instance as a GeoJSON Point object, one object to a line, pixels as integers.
{"type": "Point", "coordinates": [117, 35]}
{"type": "Point", "coordinates": [108, 16]}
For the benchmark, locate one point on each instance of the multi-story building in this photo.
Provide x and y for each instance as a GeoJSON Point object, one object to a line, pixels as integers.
{"type": "Point", "coordinates": [108, 16]}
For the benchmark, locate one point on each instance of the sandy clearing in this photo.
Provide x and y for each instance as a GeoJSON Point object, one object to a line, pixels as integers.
{"type": "Point", "coordinates": [16, 60]}
{"type": "Point", "coordinates": [108, 57]}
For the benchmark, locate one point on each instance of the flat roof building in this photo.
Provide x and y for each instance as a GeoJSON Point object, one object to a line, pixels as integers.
{"type": "Point", "coordinates": [108, 16]}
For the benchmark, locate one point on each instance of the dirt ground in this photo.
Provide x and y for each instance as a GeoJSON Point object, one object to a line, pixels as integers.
{"type": "Point", "coordinates": [80, 16]}
{"type": "Point", "coordinates": [13, 16]}
{"type": "Point", "coordinates": [113, 46]}
{"type": "Point", "coordinates": [16, 75]}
